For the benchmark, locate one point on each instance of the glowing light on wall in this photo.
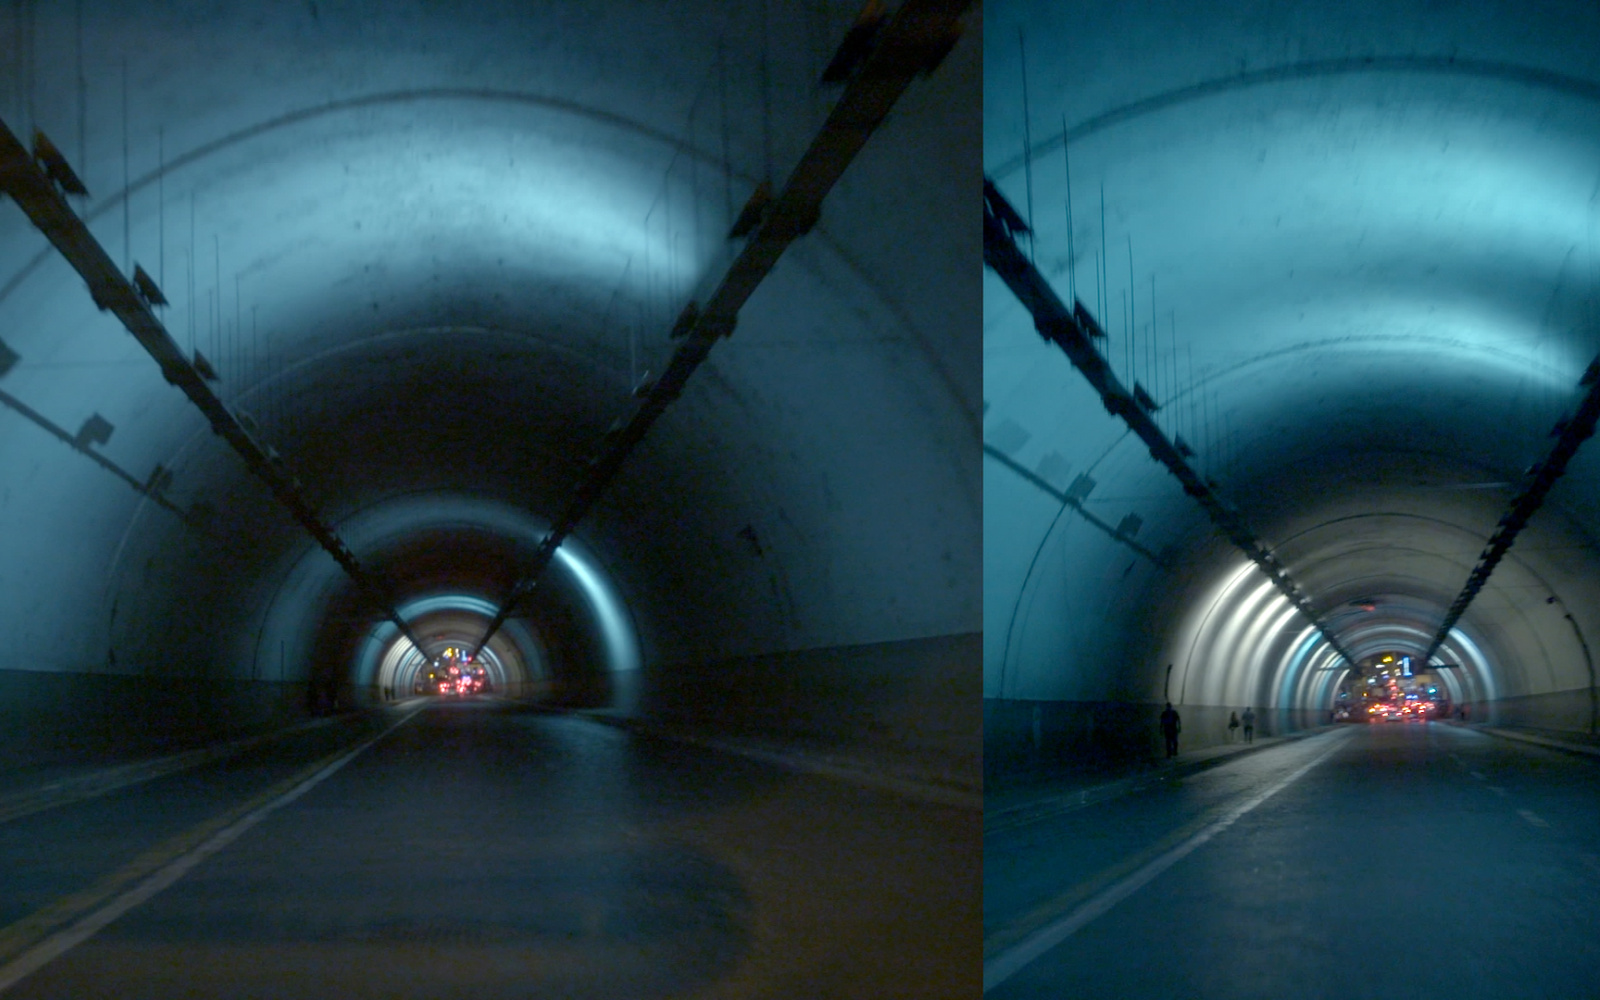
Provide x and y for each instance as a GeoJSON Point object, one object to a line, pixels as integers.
{"type": "Point", "coordinates": [1471, 657]}
{"type": "Point", "coordinates": [1294, 671]}
{"type": "Point", "coordinates": [621, 643]}
{"type": "Point", "coordinates": [1247, 657]}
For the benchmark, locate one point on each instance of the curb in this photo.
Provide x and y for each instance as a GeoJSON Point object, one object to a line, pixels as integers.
{"type": "Point", "coordinates": [1543, 741]}
{"type": "Point", "coordinates": [1051, 805]}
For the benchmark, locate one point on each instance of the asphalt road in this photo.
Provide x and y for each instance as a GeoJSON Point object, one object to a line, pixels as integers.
{"type": "Point", "coordinates": [468, 850]}
{"type": "Point", "coordinates": [1400, 860]}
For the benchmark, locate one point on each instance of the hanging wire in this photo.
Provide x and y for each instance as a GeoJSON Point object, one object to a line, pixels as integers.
{"type": "Point", "coordinates": [192, 342]}
{"type": "Point", "coordinates": [766, 94]}
{"type": "Point", "coordinates": [27, 62]}
{"type": "Point", "coordinates": [1133, 322]}
{"type": "Point", "coordinates": [1027, 146]}
{"type": "Point", "coordinates": [1164, 386]}
{"type": "Point", "coordinates": [83, 107]}
{"type": "Point", "coordinates": [127, 190]}
{"type": "Point", "coordinates": [161, 204]}
{"type": "Point", "coordinates": [727, 149]}
{"type": "Point", "coordinates": [214, 300]}
{"type": "Point", "coordinates": [1072, 259]}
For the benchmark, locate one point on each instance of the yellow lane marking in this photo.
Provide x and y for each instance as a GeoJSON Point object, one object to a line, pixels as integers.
{"type": "Point", "coordinates": [35, 940]}
{"type": "Point", "coordinates": [104, 782]}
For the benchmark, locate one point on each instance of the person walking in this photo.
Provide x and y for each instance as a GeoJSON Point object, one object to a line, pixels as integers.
{"type": "Point", "coordinates": [1249, 720]}
{"type": "Point", "coordinates": [1170, 727]}
{"type": "Point", "coordinates": [1233, 724]}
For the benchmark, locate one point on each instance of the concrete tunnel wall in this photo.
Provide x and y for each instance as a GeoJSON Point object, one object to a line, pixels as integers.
{"type": "Point", "coordinates": [430, 248]}
{"type": "Point", "coordinates": [1366, 234]}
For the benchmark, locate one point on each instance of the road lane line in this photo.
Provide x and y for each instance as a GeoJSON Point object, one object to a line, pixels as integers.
{"type": "Point", "coordinates": [1532, 817]}
{"type": "Point", "coordinates": [1008, 963]}
{"type": "Point", "coordinates": [1476, 774]}
{"type": "Point", "coordinates": [93, 784]}
{"type": "Point", "coordinates": [59, 943]}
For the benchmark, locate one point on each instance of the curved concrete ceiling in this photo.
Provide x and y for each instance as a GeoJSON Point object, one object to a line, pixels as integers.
{"type": "Point", "coordinates": [431, 250]}
{"type": "Point", "coordinates": [1362, 257]}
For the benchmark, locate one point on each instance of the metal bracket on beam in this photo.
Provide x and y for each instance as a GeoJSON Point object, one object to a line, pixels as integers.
{"type": "Point", "coordinates": [148, 289]}
{"type": "Point", "coordinates": [1064, 328]}
{"type": "Point", "coordinates": [899, 53]}
{"type": "Point", "coordinates": [203, 368]}
{"type": "Point", "coordinates": [55, 165]}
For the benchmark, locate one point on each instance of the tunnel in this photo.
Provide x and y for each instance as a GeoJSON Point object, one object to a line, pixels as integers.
{"type": "Point", "coordinates": [426, 254]}
{"type": "Point", "coordinates": [1351, 261]}
{"type": "Point", "coordinates": [1289, 365]}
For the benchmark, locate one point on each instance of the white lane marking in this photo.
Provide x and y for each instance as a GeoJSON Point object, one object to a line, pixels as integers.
{"type": "Point", "coordinates": [1013, 960]}
{"type": "Point", "coordinates": [61, 942]}
{"type": "Point", "coordinates": [1475, 774]}
{"type": "Point", "coordinates": [1498, 790]}
{"type": "Point", "coordinates": [1532, 817]}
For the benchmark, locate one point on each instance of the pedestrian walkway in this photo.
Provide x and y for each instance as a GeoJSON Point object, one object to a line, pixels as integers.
{"type": "Point", "coordinates": [1009, 807]}
{"type": "Point", "coordinates": [1556, 739]}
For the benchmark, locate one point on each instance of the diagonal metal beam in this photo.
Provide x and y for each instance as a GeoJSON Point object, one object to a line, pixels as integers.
{"type": "Point", "coordinates": [1570, 433]}
{"type": "Point", "coordinates": [32, 183]}
{"type": "Point", "coordinates": [149, 489]}
{"type": "Point", "coordinates": [1073, 331]}
{"type": "Point", "coordinates": [908, 44]}
{"type": "Point", "coordinates": [1039, 481]}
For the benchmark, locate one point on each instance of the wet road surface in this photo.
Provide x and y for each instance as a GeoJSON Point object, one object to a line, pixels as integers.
{"type": "Point", "coordinates": [1401, 860]}
{"type": "Point", "coordinates": [471, 850]}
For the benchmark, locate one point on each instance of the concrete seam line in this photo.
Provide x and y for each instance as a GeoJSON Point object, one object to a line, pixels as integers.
{"type": "Point", "coordinates": [61, 942]}
{"type": "Point", "coordinates": [1007, 964]}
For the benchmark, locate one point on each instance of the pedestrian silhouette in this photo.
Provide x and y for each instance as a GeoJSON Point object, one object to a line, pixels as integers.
{"type": "Point", "coordinates": [1249, 720]}
{"type": "Point", "coordinates": [1233, 723]}
{"type": "Point", "coordinates": [1170, 726]}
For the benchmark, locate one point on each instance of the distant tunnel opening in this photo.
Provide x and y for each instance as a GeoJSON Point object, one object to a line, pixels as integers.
{"type": "Point", "coordinates": [455, 556]}
{"type": "Point", "coordinates": [390, 667]}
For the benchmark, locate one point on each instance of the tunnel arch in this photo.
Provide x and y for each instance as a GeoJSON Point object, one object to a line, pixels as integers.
{"type": "Point", "coordinates": [388, 662]}
{"type": "Point", "coordinates": [1352, 262]}
{"type": "Point", "coordinates": [516, 202]}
